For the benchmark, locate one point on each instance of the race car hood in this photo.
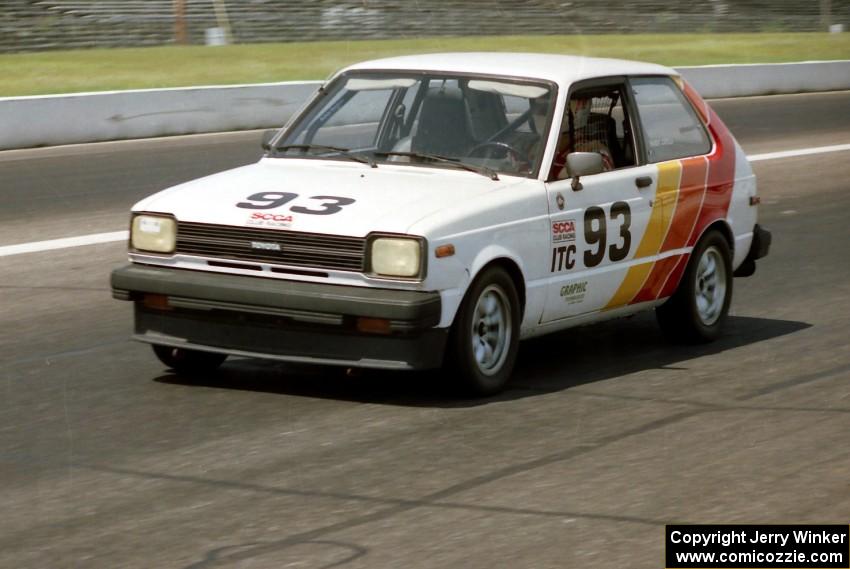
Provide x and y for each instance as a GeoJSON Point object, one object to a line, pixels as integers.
{"type": "Point", "coordinates": [322, 196]}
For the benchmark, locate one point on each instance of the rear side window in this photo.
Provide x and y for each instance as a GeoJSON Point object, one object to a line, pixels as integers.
{"type": "Point", "coordinates": [671, 128]}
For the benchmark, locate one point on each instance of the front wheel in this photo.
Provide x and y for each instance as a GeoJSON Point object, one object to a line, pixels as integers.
{"type": "Point", "coordinates": [188, 362]}
{"type": "Point", "coordinates": [484, 338]}
{"type": "Point", "coordinates": [697, 310]}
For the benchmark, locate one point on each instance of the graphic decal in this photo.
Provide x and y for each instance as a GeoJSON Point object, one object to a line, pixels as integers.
{"type": "Point", "coordinates": [574, 293]}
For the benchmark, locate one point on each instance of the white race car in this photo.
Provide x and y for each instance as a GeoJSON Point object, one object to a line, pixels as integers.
{"type": "Point", "coordinates": [434, 210]}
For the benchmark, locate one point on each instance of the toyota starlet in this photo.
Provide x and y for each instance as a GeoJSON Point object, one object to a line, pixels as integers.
{"type": "Point", "coordinates": [434, 210]}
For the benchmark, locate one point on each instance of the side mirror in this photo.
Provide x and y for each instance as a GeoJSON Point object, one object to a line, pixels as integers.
{"type": "Point", "coordinates": [583, 164]}
{"type": "Point", "coordinates": [268, 136]}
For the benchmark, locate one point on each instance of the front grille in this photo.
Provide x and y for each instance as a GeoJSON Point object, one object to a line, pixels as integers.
{"type": "Point", "coordinates": [298, 249]}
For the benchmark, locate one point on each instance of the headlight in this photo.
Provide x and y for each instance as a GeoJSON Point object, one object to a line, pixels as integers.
{"type": "Point", "coordinates": [396, 257]}
{"type": "Point", "coordinates": [153, 233]}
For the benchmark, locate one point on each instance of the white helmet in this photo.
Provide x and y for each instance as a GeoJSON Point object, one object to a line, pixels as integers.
{"type": "Point", "coordinates": [580, 109]}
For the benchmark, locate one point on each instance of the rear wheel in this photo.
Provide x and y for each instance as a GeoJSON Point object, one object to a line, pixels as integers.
{"type": "Point", "coordinates": [485, 336]}
{"type": "Point", "coordinates": [697, 311]}
{"type": "Point", "coordinates": [188, 362]}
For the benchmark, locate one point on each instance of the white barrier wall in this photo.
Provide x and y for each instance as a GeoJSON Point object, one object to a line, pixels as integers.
{"type": "Point", "coordinates": [90, 117]}
{"type": "Point", "coordinates": [719, 81]}
{"type": "Point", "coordinates": [52, 120]}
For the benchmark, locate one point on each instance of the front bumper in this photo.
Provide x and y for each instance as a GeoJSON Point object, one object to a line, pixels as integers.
{"type": "Point", "coordinates": [759, 248]}
{"type": "Point", "coordinates": [286, 320]}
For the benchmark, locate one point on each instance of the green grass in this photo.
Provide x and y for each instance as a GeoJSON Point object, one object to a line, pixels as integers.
{"type": "Point", "coordinates": [174, 66]}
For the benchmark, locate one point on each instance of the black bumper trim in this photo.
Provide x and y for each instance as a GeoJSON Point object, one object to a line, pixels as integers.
{"type": "Point", "coordinates": [759, 249]}
{"type": "Point", "coordinates": [761, 242]}
{"type": "Point", "coordinates": [308, 302]}
{"type": "Point", "coordinates": [279, 338]}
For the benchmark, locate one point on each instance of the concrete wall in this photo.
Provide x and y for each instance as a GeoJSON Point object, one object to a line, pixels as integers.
{"type": "Point", "coordinates": [90, 117]}
{"type": "Point", "coordinates": [718, 81]}
{"type": "Point", "coordinates": [52, 120]}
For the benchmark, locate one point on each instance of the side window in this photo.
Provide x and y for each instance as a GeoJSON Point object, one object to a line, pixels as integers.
{"type": "Point", "coordinates": [671, 128]}
{"type": "Point", "coordinates": [596, 120]}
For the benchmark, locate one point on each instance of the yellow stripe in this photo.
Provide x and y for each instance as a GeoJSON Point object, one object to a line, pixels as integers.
{"type": "Point", "coordinates": [669, 176]}
{"type": "Point", "coordinates": [663, 207]}
{"type": "Point", "coordinates": [630, 285]}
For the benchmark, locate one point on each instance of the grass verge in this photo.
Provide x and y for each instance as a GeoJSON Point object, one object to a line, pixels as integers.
{"type": "Point", "coordinates": [176, 66]}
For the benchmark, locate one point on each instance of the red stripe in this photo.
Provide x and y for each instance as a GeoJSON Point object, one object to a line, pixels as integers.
{"type": "Point", "coordinates": [721, 173]}
{"type": "Point", "coordinates": [718, 187]}
{"type": "Point", "coordinates": [697, 101]}
{"type": "Point", "coordinates": [675, 276]}
{"type": "Point", "coordinates": [656, 279]}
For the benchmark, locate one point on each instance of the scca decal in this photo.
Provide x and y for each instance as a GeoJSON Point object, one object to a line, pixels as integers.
{"type": "Point", "coordinates": [272, 200]}
{"type": "Point", "coordinates": [563, 231]}
{"type": "Point", "coordinates": [271, 217]}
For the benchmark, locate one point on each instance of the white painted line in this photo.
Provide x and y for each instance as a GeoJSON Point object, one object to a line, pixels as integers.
{"type": "Point", "coordinates": [798, 152]}
{"type": "Point", "coordinates": [65, 243]}
{"type": "Point", "coordinates": [114, 236]}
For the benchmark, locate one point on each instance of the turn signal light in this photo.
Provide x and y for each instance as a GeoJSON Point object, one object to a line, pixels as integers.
{"type": "Point", "coordinates": [373, 325]}
{"type": "Point", "coordinates": [444, 251]}
{"type": "Point", "coordinates": [156, 301]}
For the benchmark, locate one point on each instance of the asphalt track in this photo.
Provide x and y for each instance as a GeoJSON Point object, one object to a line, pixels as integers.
{"type": "Point", "coordinates": [607, 434]}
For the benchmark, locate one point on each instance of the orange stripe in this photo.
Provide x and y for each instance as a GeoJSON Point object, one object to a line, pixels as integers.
{"type": "Point", "coordinates": [656, 279]}
{"type": "Point", "coordinates": [663, 208]}
{"type": "Point", "coordinates": [691, 192]}
{"type": "Point", "coordinates": [691, 189]}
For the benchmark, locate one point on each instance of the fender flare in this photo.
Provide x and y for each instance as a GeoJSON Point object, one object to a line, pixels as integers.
{"type": "Point", "coordinates": [725, 229]}
{"type": "Point", "coordinates": [497, 254]}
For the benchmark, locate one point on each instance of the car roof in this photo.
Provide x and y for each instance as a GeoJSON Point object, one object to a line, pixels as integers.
{"type": "Point", "coordinates": [561, 69]}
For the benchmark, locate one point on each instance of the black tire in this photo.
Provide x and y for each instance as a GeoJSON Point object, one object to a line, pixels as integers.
{"type": "Point", "coordinates": [481, 354]}
{"type": "Point", "coordinates": [696, 312]}
{"type": "Point", "coordinates": [188, 362]}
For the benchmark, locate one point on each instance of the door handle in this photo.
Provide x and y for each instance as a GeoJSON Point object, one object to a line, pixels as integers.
{"type": "Point", "coordinates": [643, 181]}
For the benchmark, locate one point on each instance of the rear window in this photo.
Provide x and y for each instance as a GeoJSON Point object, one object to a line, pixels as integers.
{"type": "Point", "coordinates": [671, 128]}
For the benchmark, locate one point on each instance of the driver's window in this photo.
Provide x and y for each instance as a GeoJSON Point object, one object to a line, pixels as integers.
{"type": "Point", "coordinates": [596, 120]}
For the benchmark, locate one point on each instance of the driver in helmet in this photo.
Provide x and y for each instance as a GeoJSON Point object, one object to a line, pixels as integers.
{"type": "Point", "coordinates": [581, 135]}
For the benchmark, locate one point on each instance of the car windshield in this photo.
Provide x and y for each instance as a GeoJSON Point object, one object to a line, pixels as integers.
{"type": "Point", "coordinates": [484, 124]}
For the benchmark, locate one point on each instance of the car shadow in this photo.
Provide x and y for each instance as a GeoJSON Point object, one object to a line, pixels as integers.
{"type": "Point", "coordinates": [555, 362]}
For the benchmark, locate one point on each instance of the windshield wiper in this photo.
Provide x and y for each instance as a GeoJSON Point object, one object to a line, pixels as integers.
{"type": "Point", "coordinates": [483, 170]}
{"type": "Point", "coordinates": [345, 151]}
